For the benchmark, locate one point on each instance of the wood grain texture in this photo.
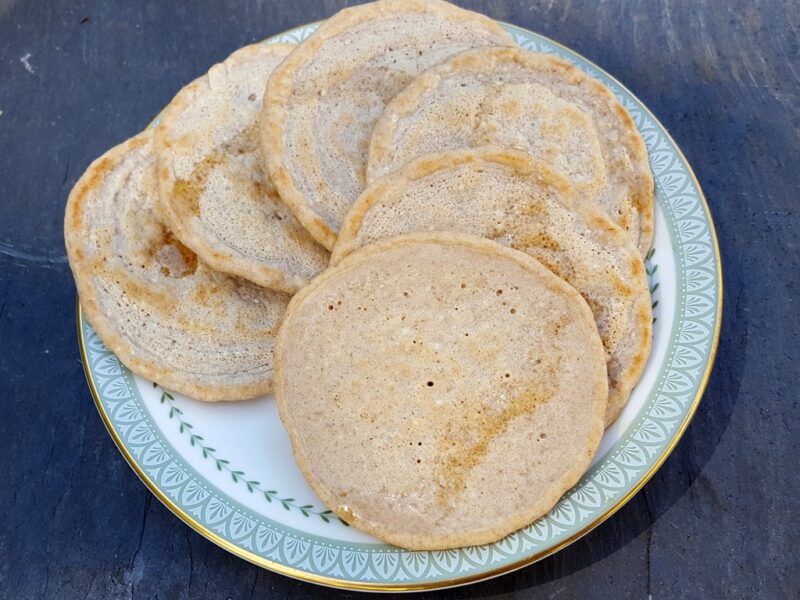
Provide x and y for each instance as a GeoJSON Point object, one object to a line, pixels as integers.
{"type": "Point", "coordinates": [719, 520]}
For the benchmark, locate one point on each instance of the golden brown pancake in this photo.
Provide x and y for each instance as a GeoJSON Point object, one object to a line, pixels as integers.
{"type": "Point", "coordinates": [213, 193]}
{"type": "Point", "coordinates": [507, 196]}
{"type": "Point", "coordinates": [163, 312]}
{"type": "Point", "coordinates": [440, 390]}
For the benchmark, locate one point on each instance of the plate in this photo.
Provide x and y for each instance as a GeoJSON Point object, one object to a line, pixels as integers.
{"type": "Point", "coordinates": [228, 472]}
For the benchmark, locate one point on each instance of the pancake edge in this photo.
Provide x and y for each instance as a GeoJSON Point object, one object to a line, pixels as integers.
{"type": "Point", "coordinates": [88, 183]}
{"type": "Point", "coordinates": [178, 218]}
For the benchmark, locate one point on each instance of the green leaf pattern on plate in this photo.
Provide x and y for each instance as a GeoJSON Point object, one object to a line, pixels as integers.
{"type": "Point", "coordinates": [222, 464]}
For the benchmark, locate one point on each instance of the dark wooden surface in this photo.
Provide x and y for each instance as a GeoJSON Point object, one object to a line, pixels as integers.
{"type": "Point", "coordinates": [719, 520]}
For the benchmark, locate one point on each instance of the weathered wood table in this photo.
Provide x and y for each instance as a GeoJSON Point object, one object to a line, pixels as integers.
{"type": "Point", "coordinates": [719, 520]}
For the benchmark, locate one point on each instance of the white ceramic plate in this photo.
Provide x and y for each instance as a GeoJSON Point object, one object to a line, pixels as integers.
{"type": "Point", "coordinates": [227, 469]}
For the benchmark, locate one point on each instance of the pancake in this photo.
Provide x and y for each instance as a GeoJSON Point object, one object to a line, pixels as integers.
{"type": "Point", "coordinates": [509, 197]}
{"type": "Point", "coordinates": [163, 312]}
{"type": "Point", "coordinates": [213, 193]}
{"type": "Point", "coordinates": [520, 115]}
{"type": "Point", "coordinates": [440, 390]}
{"type": "Point", "coordinates": [322, 102]}
{"type": "Point", "coordinates": [499, 96]}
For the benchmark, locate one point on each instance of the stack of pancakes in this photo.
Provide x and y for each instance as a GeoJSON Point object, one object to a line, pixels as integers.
{"type": "Point", "coordinates": [427, 240]}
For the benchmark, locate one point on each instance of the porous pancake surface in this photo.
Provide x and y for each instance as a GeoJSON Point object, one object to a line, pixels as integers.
{"type": "Point", "coordinates": [322, 102]}
{"type": "Point", "coordinates": [495, 96]}
{"type": "Point", "coordinates": [507, 196]}
{"type": "Point", "coordinates": [440, 390]}
{"type": "Point", "coordinates": [213, 192]}
{"type": "Point", "coordinates": [163, 312]}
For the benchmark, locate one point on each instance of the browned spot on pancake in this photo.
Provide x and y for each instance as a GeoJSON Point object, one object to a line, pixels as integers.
{"type": "Point", "coordinates": [625, 221]}
{"type": "Point", "coordinates": [599, 221]}
{"type": "Point", "coordinates": [208, 292]}
{"type": "Point", "coordinates": [240, 327]}
{"type": "Point", "coordinates": [485, 351]}
{"type": "Point", "coordinates": [189, 257]}
{"type": "Point", "coordinates": [263, 190]}
{"type": "Point", "coordinates": [247, 141]}
{"type": "Point", "coordinates": [511, 107]}
{"type": "Point", "coordinates": [564, 269]}
{"type": "Point", "coordinates": [76, 208]}
{"type": "Point", "coordinates": [637, 266]}
{"type": "Point", "coordinates": [320, 223]}
{"type": "Point", "coordinates": [619, 285]}
{"type": "Point", "coordinates": [644, 317]}
{"type": "Point", "coordinates": [470, 445]}
{"type": "Point", "coordinates": [613, 381]}
{"type": "Point", "coordinates": [98, 175]}
{"type": "Point", "coordinates": [154, 297]}
{"type": "Point", "coordinates": [282, 177]}
{"type": "Point", "coordinates": [555, 325]}
{"type": "Point", "coordinates": [623, 116]}
{"type": "Point", "coordinates": [593, 302]}
{"type": "Point", "coordinates": [187, 192]}
{"type": "Point", "coordinates": [468, 62]}
{"type": "Point", "coordinates": [538, 238]}
{"type": "Point", "coordinates": [175, 259]}
{"type": "Point", "coordinates": [638, 361]}
{"type": "Point", "coordinates": [298, 234]}
{"type": "Point", "coordinates": [369, 415]}
{"type": "Point", "coordinates": [137, 142]}
{"type": "Point", "coordinates": [643, 198]}
{"type": "Point", "coordinates": [533, 207]}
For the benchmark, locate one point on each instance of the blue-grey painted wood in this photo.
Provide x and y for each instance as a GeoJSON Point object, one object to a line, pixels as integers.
{"type": "Point", "coordinates": [719, 520]}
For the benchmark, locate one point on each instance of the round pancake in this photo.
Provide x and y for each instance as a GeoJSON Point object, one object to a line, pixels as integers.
{"type": "Point", "coordinates": [507, 196]}
{"type": "Point", "coordinates": [322, 102]}
{"type": "Point", "coordinates": [495, 96]}
{"type": "Point", "coordinates": [164, 313]}
{"type": "Point", "coordinates": [440, 390]}
{"type": "Point", "coordinates": [213, 193]}
{"type": "Point", "coordinates": [521, 115]}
